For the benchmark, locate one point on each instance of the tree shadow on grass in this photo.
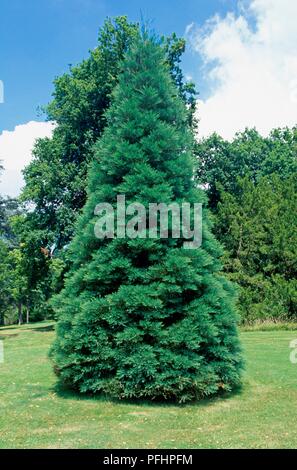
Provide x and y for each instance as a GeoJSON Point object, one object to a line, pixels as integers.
{"type": "Point", "coordinates": [28, 327]}
{"type": "Point", "coordinates": [8, 335]}
{"type": "Point", "coordinates": [42, 329]}
{"type": "Point", "coordinates": [10, 327]}
{"type": "Point", "coordinates": [69, 394]}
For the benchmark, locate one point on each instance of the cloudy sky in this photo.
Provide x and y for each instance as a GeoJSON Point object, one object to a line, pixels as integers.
{"type": "Point", "coordinates": [242, 56]}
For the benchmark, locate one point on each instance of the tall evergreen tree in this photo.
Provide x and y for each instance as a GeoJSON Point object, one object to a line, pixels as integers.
{"type": "Point", "coordinates": [55, 179]}
{"type": "Point", "coordinates": [141, 317]}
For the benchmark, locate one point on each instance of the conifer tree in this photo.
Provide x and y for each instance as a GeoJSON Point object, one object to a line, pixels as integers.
{"type": "Point", "coordinates": [142, 317]}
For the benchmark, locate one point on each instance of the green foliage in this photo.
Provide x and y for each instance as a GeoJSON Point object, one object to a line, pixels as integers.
{"type": "Point", "coordinates": [14, 288]}
{"type": "Point", "coordinates": [11, 280]}
{"type": "Point", "coordinates": [145, 318]}
{"type": "Point", "coordinates": [5, 284]}
{"type": "Point", "coordinates": [56, 177]}
{"type": "Point", "coordinates": [258, 228]}
{"type": "Point", "coordinates": [28, 276]}
{"type": "Point", "coordinates": [251, 184]}
{"type": "Point", "coordinates": [8, 208]}
{"type": "Point", "coordinates": [221, 163]}
{"type": "Point", "coordinates": [174, 48]}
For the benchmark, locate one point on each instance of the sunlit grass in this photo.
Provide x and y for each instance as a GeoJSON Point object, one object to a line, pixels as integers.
{"type": "Point", "coordinates": [34, 414]}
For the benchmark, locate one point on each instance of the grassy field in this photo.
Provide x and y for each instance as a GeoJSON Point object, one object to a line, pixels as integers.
{"type": "Point", "coordinates": [34, 414]}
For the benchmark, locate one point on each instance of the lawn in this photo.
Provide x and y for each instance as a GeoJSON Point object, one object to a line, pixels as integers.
{"type": "Point", "coordinates": [34, 414]}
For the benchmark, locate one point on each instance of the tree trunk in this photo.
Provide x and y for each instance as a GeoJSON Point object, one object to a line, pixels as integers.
{"type": "Point", "coordinates": [27, 314]}
{"type": "Point", "coordinates": [20, 313]}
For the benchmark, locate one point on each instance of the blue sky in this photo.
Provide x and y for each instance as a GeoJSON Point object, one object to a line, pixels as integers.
{"type": "Point", "coordinates": [39, 38]}
{"type": "Point", "coordinates": [242, 55]}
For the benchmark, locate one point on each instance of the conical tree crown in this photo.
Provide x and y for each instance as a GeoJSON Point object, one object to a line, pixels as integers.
{"type": "Point", "coordinates": [143, 316]}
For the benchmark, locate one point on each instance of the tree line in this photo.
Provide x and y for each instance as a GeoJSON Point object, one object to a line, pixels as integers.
{"type": "Point", "coordinates": [250, 184]}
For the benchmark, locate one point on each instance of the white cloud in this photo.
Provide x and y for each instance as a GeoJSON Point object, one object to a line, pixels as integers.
{"type": "Point", "coordinates": [250, 64]}
{"type": "Point", "coordinates": [189, 28]}
{"type": "Point", "coordinates": [15, 152]}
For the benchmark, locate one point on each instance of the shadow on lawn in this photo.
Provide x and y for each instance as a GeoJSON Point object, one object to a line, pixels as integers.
{"type": "Point", "coordinates": [8, 335]}
{"type": "Point", "coordinates": [64, 392]}
{"type": "Point", "coordinates": [28, 327]}
{"type": "Point", "coordinates": [42, 329]}
{"type": "Point", "coordinates": [8, 332]}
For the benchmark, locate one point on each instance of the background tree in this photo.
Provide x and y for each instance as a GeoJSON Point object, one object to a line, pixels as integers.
{"type": "Point", "coordinates": [56, 177]}
{"type": "Point", "coordinates": [258, 228]}
{"type": "Point", "coordinates": [6, 301]}
{"type": "Point", "coordinates": [220, 162]}
{"type": "Point", "coordinates": [9, 208]}
{"type": "Point", "coordinates": [34, 267]}
{"type": "Point", "coordinates": [251, 184]}
{"type": "Point", "coordinates": [55, 180]}
{"type": "Point", "coordinates": [27, 275]}
{"type": "Point", "coordinates": [140, 317]}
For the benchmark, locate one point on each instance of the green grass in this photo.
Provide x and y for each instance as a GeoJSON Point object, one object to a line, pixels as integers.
{"type": "Point", "coordinates": [34, 414]}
